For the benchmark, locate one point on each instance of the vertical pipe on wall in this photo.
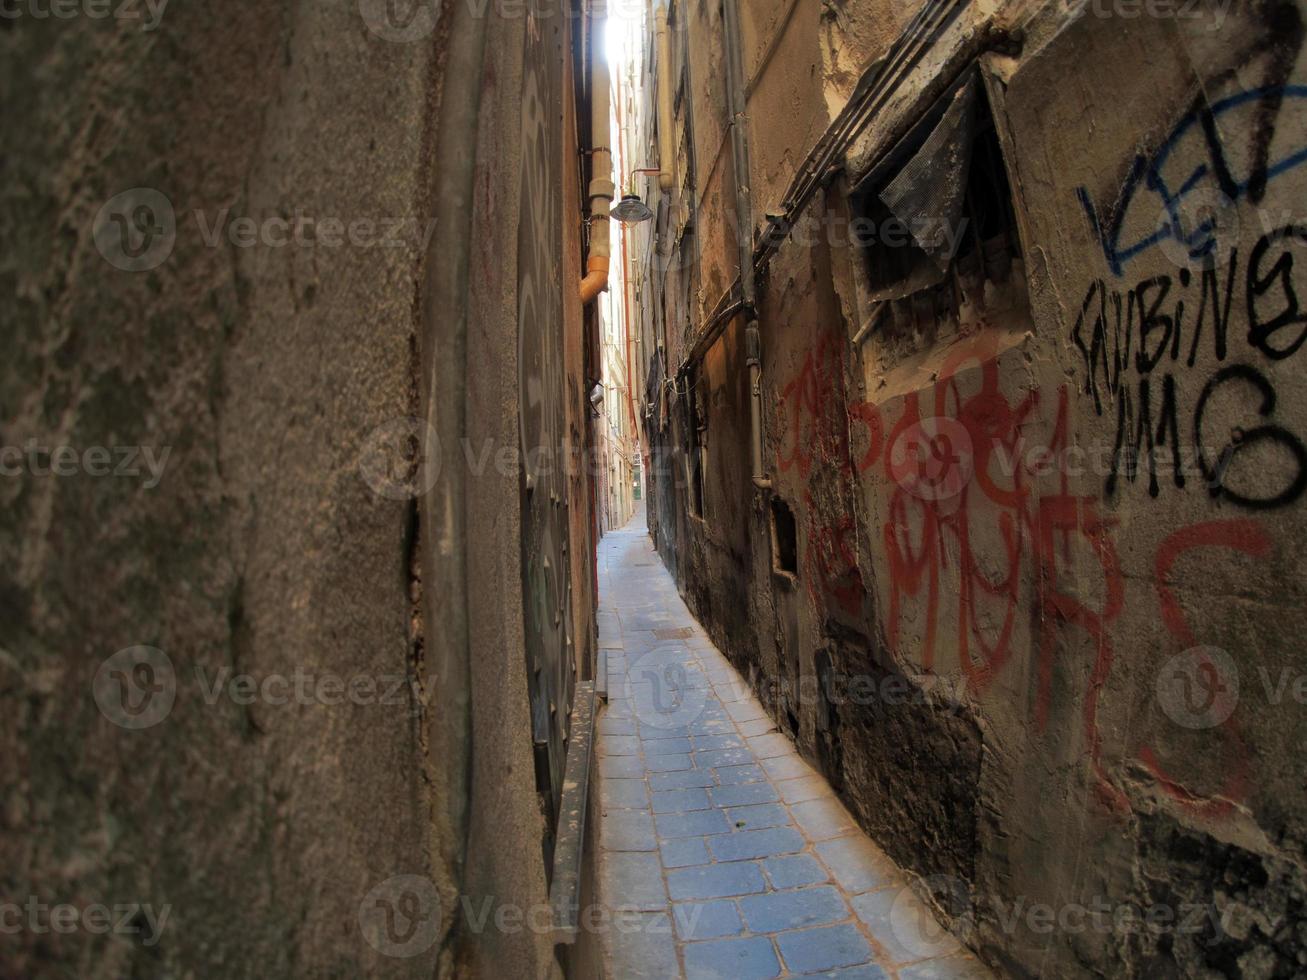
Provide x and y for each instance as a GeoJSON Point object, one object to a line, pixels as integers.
{"type": "Point", "coordinates": [666, 148]}
{"type": "Point", "coordinates": [737, 88]}
{"type": "Point", "coordinates": [602, 188]}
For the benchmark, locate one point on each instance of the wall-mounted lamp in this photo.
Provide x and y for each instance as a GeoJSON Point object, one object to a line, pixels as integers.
{"type": "Point", "coordinates": [631, 210]}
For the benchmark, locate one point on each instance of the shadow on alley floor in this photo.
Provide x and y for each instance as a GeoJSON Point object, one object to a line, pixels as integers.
{"type": "Point", "coordinates": [721, 852]}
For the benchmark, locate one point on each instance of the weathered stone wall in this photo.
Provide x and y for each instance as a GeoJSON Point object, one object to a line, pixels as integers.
{"type": "Point", "coordinates": [1047, 651]}
{"type": "Point", "coordinates": [260, 372]}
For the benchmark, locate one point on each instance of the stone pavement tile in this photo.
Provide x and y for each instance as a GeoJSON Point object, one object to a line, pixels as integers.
{"type": "Point", "coordinates": [744, 794]}
{"type": "Point", "coordinates": [950, 968]}
{"type": "Point", "coordinates": [666, 746]}
{"type": "Point", "coordinates": [608, 725]}
{"type": "Point", "coordinates": [707, 920]}
{"type": "Point", "coordinates": [618, 707]}
{"type": "Point", "coordinates": [732, 959]}
{"type": "Point", "coordinates": [644, 948]}
{"type": "Point", "coordinates": [787, 767]}
{"type": "Point", "coordinates": [716, 758]}
{"type": "Point", "coordinates": [619, 745]}
{"type": "Point", "coordinates": [795, 871]}
{"type": "Point", "coordinates": [734, 775]}
{"type": "Point", "coordinates": [695, 823]}
{"type": "Point", "coordinates": [632, 880]}
{"type": "Point", "coordinates": [668, 763]}
{"type": "Point", "coordinates": [729, 693]}
{"type": "Point", "coordinates": [771, 746]}
{"type": "Point", "coordinates": [621, 767]}
{"type": "Point", "coordinates": [758, 726]}
{"type": "Point", "coordinates": [779, 911]}
{"type": "Point", "coordinates": [627, 830]}
{"type": "Point", "coordinates": [803, 788]}
{"type": "Point", "coordinates": [823, 819]}
{"type": "Point", "coordinates": [715, 881]}
{"type": "Point", "coordinates": [705, 742]}
{"type": "Point", "coordinates": [857, 864]}
{"type": "Point", "coordinates": [684, 852]}
{"type": "Point", "coordinates": [680, 800]}
{"type": "Point", "coordinates": [745, 845]}
{"type": "Point", "coordinates": [758, 817]}
{"type": "Point", "coordinates": [650, 732]}
{"type": "Point", "coordinates": [905, 928]}
{"type": "Point", "coordinates": [711, 725]}
{"type": "Point", "coordinates": [685, 779]}
{"type": "Point", "coordinates": [747, 710]}
{"type": "Point", "coordinates": [823, 949]}
{"type": "Point", "coordinates": [624, 794]}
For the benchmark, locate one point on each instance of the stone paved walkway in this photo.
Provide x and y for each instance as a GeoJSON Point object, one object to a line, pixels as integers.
{"type": "Point", "coordinates": [727, 855]}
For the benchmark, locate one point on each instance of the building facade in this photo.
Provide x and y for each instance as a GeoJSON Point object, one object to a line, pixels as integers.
{"type": "Point", "coordinates": [1022, 543]}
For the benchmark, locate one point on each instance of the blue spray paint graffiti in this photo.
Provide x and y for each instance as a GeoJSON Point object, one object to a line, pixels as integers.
{"type": "Point", "coordinates": [1215, 176]}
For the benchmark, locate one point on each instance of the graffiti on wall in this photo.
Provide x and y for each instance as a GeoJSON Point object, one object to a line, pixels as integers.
{"type": "Point", "coordinates": [997, 502]}
{"type": "Point", "coordinates": [1220, 153]}
{"type": "Point", "coordinates": [1148, 352]}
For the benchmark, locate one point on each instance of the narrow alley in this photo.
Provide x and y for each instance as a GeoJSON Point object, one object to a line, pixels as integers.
{"type": "Point", "coordinates": [653, 489]}
{"type": "Point", "coordinates": [731, 857]}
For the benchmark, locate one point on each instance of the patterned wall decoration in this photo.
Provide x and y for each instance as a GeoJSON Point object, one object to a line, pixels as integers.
{"type": "Point", "coordinates": [546, 581]}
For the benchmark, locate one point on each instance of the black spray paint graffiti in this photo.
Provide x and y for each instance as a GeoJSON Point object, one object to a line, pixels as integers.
{"type": "Point", "coordinates": [1168, 199]}
{"type": "Point", "coordinates": [1171, 323]}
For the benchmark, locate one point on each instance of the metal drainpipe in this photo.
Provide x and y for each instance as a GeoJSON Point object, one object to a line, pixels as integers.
{"type": "Point", "coordinates": [602, 188]}
{"type": "Point", "coordinates": [736, 88]}
{"type": "Point", "coordinates": [664, 95]}
{"type": "Point", "coordinates": [445, 323]}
